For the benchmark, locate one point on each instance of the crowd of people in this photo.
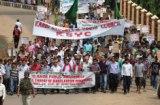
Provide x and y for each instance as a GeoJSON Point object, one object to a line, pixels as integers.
{"type": "Point", "coordinates": [131, 60]}
{"type": "Point", "coordinates": [45, 55]}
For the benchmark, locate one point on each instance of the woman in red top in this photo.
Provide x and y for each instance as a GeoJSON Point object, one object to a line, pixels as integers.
{"type": "Point", "coordinates": [36, 67]}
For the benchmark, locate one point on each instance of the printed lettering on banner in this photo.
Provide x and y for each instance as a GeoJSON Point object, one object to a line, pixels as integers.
{"type": "Point", "coordinates": [58, 81]}
{"type": "Point", "coordinates": [86, 29]}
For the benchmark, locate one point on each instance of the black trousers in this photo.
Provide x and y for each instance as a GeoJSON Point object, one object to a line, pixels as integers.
{"type": "Point", "coordinates": [1, 100]}
{"type": "Point", "coordinates": [16, 42]}
{"type": "Point", "coordinates": [126, 83]}
{"type": "Point", "coordinates": [158, 92]}
{"type": "Point", "coordinates": [97, 83]}
{"type": "Point", "coordinates": [113, 82]}
{"type": "Point", "coordinates": [6, 82]}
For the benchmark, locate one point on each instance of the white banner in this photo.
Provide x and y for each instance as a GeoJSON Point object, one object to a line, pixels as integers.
{"type": "Point", "coordinates": [83, 6]}
{"type": "Point", "coordinates": [86, 29]}
{"type": "Point", "coordinates": [58, 81]}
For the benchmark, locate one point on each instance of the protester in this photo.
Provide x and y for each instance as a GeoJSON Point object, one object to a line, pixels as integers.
{"type": "Point", "coordinates": [155, 67]}
{"type": "Point", "coordinates": [77, 69]}
{"type": "Point", "coordinates": [59, 57]}
{"type": "Point", "coordinates": [22, 69]}
{"type": "Point", "coordinates": [16, 36]}
{"type": "Point", "coordinates": [67, 70]}
{"type": "Point", "coordinates": [55, 68]}
{"type": "Point", "coordinates": [103, 74]}
{"type": "Point", "coordinates": [2, 91]}
{"type": "Point", "coordinates": [26, 89]}
{"type": "Point", "coordinates": [13, 78]}
{"type": "Point", "coordinates": [113, 76]}
{"type": "Point", "coordinates": [2, 68]}
{"type": "Point", "coordinates": [127, 73]}
{"type": "Point", "coordinates": [139, 74]}
{"type": "Point", "coordinates": [6, 80]}
{"type": "Point", "coordinates": [19, 24]}
{"type": "Point", "coordinates": [96, 69]}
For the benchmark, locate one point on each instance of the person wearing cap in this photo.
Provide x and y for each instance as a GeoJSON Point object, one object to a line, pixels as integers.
{"type": "Point", "coordinates": [26, 89]}
{"type": "Point", "coordinates": [2, 91]}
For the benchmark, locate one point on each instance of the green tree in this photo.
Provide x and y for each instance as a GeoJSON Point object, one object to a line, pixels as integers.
{"type": "Point", "coordinates": [151, 5]}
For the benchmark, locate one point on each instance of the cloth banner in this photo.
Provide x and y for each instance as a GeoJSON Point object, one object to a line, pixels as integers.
{"type": "Point", "coordinates": [58, 81]}
{"type": "Point", "coordinates": [83, 6]}
{"type": "Point", "coordinates": [86, 29]}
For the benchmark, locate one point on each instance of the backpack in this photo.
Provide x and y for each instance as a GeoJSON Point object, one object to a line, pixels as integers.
{"type": "Point", "coordinates": [16, 32]}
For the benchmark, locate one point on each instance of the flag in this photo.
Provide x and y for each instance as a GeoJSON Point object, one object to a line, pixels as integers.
{"type": "Point", "coordinates": [71, 14]}
{"type": "Point", "coordinates": [117, 14]}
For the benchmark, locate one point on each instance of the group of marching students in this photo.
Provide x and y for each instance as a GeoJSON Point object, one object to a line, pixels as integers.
{"type": "Point", "coordinates": [135, 62]}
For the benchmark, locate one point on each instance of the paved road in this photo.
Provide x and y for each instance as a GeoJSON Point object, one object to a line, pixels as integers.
{"type": "Point", "coordinates": [145, 98]}
{"type": "Point", "coordinates": [8, 16]}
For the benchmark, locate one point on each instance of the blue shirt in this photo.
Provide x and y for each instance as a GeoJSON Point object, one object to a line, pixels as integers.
{"type": "Point", "coordinates": [114, 68]}
{"type": "Point", "coordinates": [8, 69]}
{"type": "Point", "coordinates": [87, 48]}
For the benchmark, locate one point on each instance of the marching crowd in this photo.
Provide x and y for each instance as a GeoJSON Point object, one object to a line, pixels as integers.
{"type": "Point", "coordinates": [115, 60]}
{"type": "Point", "coordinates": [138, 59]}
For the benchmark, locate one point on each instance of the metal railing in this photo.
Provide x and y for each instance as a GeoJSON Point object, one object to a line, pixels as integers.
{"type": "Point", "coordinates": [18, 5]}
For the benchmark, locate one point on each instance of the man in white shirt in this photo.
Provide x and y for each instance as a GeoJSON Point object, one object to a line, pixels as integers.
{"type": "Point", "coordinates": [55, 68]}
{"type": "Point", "coordinates": [19, 24]}
{"type": "Point", "coordinates": [127, 73]}
{"type": "Point", "coordinates": [22, 69]}
{"type": "Point", "coordinates": [2, 68]}
{"type": "Point", "coordinates": [2, 91]}
{"type": "Point", "coordinates": [113, 75]}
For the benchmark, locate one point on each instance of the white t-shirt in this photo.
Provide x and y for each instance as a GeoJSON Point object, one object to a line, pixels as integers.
{"type": "Point", "coordinates": [56, 69]}
{"type": "Point", "coordinates": [2, 69]}
{"type": "Point", "coordinates": [52, 48]}
{"type": "Point", "coordinates": [61, 53]}
{"type": "Point", "coordinates": [2, 91]}
{"type": "Point", "coordinates": [19, 24]}
{"type": "Point", "coordinates": [86, 67]}
{"type": "Point", "coordinates": [22, 70]}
